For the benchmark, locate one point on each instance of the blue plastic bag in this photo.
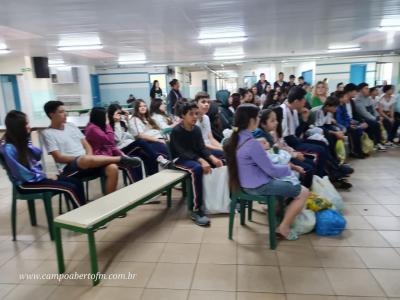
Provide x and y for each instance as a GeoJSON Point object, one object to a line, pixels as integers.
{"type": "Point", "coordinates": [329, 223]}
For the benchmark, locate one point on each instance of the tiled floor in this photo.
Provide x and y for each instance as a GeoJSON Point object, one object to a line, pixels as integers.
{"type": "Point", "coordinates": [175, 259]}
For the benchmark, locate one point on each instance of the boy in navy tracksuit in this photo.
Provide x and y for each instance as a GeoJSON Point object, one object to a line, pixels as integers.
{"type": "Point", "coordinates": [187, 146]}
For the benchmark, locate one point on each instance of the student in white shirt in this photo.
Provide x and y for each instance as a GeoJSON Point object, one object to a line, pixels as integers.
{"type": "Point", "coordinates": [203, 102]}
{"type": "Point", "coordinates": [127, 143]}
{"type": "Point", "coordinates": [143, 127]}
{"type": "Point", "coordinates": [159, 115]}
{"type": "Point", "coordinates": [74, 155]}
{"type": "Point", "coordinates": [386, 107]}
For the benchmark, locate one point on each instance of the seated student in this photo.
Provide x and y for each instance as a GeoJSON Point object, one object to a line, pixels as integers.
{"type": "Point", "coordinates": [273, 100]}
{"type": "Point", "coordinates": [326, 163]}
{"type": "Point", "coordinates": [100, 136]}
{"type": "Point", "coordinates": [251, 169]}
{"type": "Point", "coordinates": [159, 115]}
{"type": "Point", "coordinates": [270, 129]}
{"type": "Point", "coordinates": [203, 102]}
{"type": "Point", "coordinates": [319, 95]}
{"type": "Point", "coordinates": [144, 128]}
{"type": "Point", "coordinates": [74, 155]}
{"type": "Point", "coordinates": [23, 161]}
{"type": "Point", "coordinates": [191, 154]}
{"type": "Point", "coordinates": [353, 128]}
{"type": "Point", "coordinates": [215, 121]}
{"type": "Point", "coordinates": [367, 113]}
{"type": "Point", "coordinates": [386, 106]}
{"type": "Point", "coordinates": [118, 120]}
{"type": "Point", "coordinates": [325, 119]}
{"type": "Point", "coordinates": [374, 94]}
{"type": "Point", "coordinates": [226, 110]}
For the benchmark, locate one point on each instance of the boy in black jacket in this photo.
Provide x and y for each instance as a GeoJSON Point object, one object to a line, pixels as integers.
{"type": "Point", "coordinates": [187, 145]}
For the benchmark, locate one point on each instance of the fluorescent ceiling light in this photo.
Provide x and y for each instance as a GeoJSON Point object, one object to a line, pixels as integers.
{"type": "Point", "coordinates": [389, 28]}
{"type": "Point", "coordinates": [80, 47]}
{"type": "Point", "coordinates": [223, 40]}
{"type": "Point", "coordinates": [226, 57]}
{"type": "Point", "coordinates": [343, 48]}
{"type": "Point", "coordinates": [225, 71]}
{"type": "Point", "coordinates": [5, 51]}
{"type": "Point", "coordinates": [132, 62]}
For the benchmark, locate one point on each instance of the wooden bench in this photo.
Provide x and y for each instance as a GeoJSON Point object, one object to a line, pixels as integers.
{"type": "Point", "coordinates": [88, 218]}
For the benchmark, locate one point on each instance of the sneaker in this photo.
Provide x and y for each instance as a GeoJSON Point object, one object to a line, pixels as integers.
{"type": "Point", "coordinates": [342, 184]}
{"type": "Point", "coordinates": [396, 140]}
{"type": "Point", "coordinates": [164, 163]}
{"type": "Point", "coordinates": [380, 148]}
{"type": "Point", "coordinates": [389, 145]}
{"type": "Point", "coordinates": [200, 218]}
{"type": "Point", "coordinates": [358, 155]}
{"type": "Point", "coordinates": [130, 162]}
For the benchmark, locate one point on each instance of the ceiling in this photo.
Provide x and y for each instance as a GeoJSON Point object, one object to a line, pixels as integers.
{"type": "Point", "coordinates": [167, 32]}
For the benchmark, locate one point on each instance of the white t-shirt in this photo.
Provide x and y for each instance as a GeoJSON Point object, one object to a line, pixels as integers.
{"type": "Point", "coordinates": [387, 104]}
{"type": "Point", "coordinates": [205, 127]}
{"type": "Point", "coordinates": [67, 141]}
{"type": "Point", "coordinates": [160, 120]}
{"type": "Point", "coordinates": [139, 127]}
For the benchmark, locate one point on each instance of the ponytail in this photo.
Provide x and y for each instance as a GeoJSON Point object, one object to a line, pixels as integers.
{"type": "Point", "coordinates": [243, 115]}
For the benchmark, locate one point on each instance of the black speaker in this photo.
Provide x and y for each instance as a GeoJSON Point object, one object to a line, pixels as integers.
{"type": "Point", "coordinates": [41, 67]}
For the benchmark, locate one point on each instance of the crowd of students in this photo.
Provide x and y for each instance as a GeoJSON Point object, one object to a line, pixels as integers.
{"type": "Point", "coordinates": [241, 130]}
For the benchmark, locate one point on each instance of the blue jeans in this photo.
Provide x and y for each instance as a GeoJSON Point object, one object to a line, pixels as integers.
{"type": "Point", "coordinates": [276, 187]}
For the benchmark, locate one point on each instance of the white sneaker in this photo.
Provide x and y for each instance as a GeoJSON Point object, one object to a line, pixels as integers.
{"type": "Point", "coordinates": [381, 148]}
{"type": "Point", "coordinates": [396, 140]}
{"type": "Point", "coordinates": [389, 144]}
{"type": "Point", "coordinates": [163, 161]}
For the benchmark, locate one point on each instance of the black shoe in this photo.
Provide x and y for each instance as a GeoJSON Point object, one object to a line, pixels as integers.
{"type": "Point", "coordinates": [346, 169]}
{"type": "Point", "coordinates": [358, 155]}
{"type": "Point", "coordinates": [342, 184]}
{"type": "Point", "coordinates": [130, 162]}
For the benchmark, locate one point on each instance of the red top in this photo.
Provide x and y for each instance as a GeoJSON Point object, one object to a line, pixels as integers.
{"type": "Point", "coordinates": [102, 142]}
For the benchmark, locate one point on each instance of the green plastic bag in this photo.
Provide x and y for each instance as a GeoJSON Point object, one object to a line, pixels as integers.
{"type": "Point", "coordinates": [384, 134]}
{"type": "Point", "coordinates": [340, 151]}
{"type": "Point", "coordinates": [367, 145]}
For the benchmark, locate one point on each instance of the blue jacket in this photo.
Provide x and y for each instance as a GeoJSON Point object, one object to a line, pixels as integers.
{"type": "Point", "coordinates": [342, 117]}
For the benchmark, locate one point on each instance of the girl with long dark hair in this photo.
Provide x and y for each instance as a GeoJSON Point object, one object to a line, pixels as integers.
{"type": "Point", "coordinates": [144, 128]}
{"type": "Point", "coordinates": [126, 142]}
{"type": "Point", "coordinates": [23, 162]}
{"type": "Point", "coordinates": [251, 169]}
{"type": "Point", "coordinates": [155, 91]}
{"type": "Point", "coordinates": [100, 136]}
{"type": "Point", "coordinates": [273, 100]}
{"type": "Point", "coordinates": [159, 115]}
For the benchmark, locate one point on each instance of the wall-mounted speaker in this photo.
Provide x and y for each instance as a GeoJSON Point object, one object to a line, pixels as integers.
{"type": "Point", "coordinates": [41, 67]}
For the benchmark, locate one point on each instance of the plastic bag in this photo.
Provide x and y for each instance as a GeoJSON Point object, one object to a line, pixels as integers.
{"type": "Point", "coordinates": [324, 188]}
{"type": "Point", "coordinates": [329, 223]}
{"type": "Point", "coordinates": [367, 145]}
{"type": "Point", "coordinates": [316, 203]}
{"type": "Point", "coordinates": [216, 196]}
{"type": "Point", "coordinates": [340, 151]}
{"type": "Point", "coordinates": [304, 222]}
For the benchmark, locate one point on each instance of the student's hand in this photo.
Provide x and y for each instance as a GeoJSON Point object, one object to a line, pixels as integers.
{"type": "Point", "coordinates": [298, 169]}
{"type": "Point", "coordinates": [364, 125]}
{"type": "Point", "coordinates": [125, 113]}
{"type": "Point", "coordinates": [206, 166]}
{"type": "Point", "coordinates": [216, 162]}
{"type": "Point", "coordinates": [52, 177]}
{"type": "Point", "coordinates": [161, 141]}
{"type": "Point", "coordinates": [300, 156]}
{"type": "Point", "coordinates": [117, 116]}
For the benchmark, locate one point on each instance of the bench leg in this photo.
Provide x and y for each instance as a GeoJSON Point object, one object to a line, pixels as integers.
{"type": "Point", "coordinates": [14, 217]}
{"type": "Point", "coordinates": [272, 222]}
{"type": "Point", "coordinates": [169, 197]}
{"type": "Point", "coordinates": [184, 188]}
{"type": "Point", "coordinates": [93, 257]}
{"type": "Point", "coordinates": [59, 249]}
{"type": "Point", "coordinates": [232, 217]}
{"type": "Point", "coordinates": [32, 212]}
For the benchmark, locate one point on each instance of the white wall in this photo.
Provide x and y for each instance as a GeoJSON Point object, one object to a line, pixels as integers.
{"type": "Point", "coordinates": [196, 83]}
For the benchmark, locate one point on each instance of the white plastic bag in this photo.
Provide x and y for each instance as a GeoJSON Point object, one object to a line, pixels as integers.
{"type": "Point", "coordinates": [216, 197]}
{"type": "Point", "coordinates": [304, 222]}
{"type": "Point", "coordinates": [324, 188]}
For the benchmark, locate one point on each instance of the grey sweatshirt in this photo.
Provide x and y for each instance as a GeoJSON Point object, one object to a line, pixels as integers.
{"type": "Point", "coordinates": [365, 108]}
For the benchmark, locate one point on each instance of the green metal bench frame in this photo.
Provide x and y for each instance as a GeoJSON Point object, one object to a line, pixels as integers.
{"type": "Point", "coordinates": [246, 200]}
{"type": "Point", "coordinates": [186, 193]}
